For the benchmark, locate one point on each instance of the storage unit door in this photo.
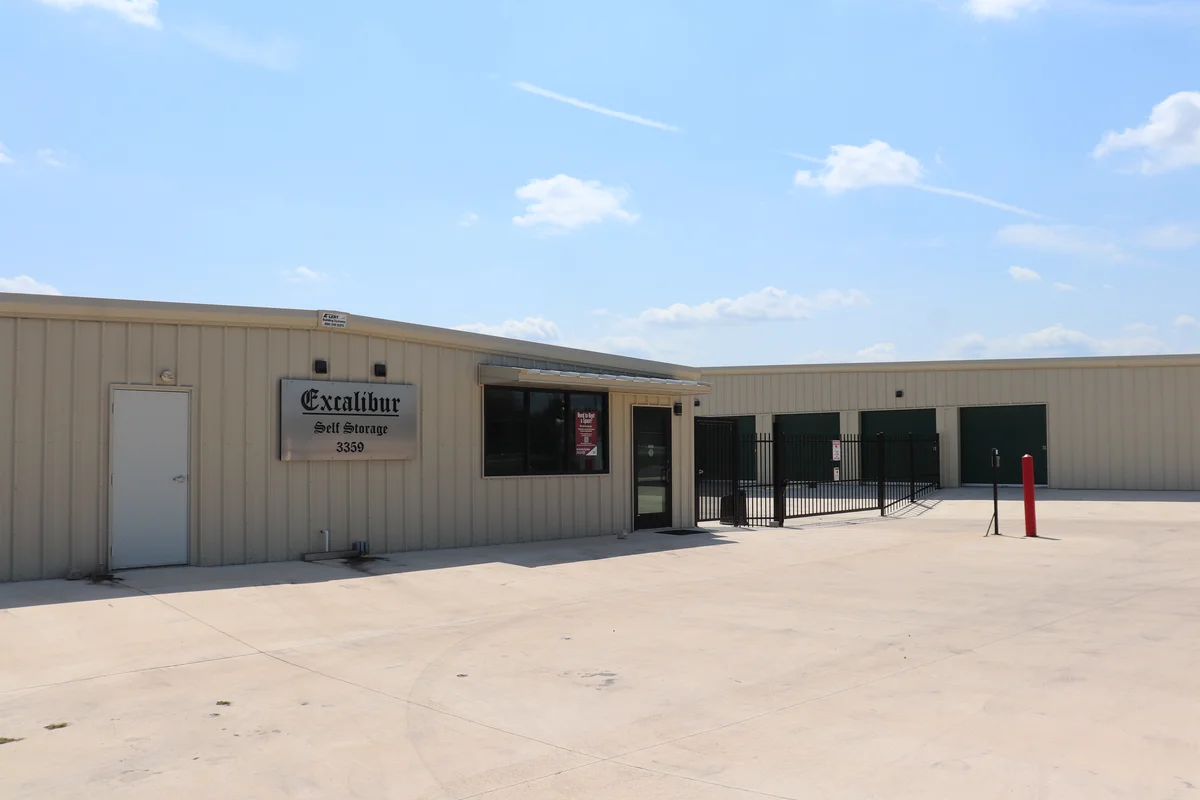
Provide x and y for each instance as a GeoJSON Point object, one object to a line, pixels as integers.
{"type": "Point", "coordinates": [749, 439]}
{"type": "Point", "coordinates": [895, 425]}
{"type": "Point", "coordinates": [807, 442]}
{"type": "Point", "coordinates": [1014, 430]}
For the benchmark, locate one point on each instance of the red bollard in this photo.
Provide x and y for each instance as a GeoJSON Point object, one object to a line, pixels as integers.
{"type": "Point", "coordinates": [1030, 511]}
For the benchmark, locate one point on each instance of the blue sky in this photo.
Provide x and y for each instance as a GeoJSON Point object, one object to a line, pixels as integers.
{"type": "Point", "coordinates": [832, 180]}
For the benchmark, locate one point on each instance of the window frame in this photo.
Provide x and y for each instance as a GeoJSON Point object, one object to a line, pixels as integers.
{"type": "Point", "coordinates": [568, 432]}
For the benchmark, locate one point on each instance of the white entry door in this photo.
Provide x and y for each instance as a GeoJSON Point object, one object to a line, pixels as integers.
{"type": "Point", "coordinates": [150, 478]}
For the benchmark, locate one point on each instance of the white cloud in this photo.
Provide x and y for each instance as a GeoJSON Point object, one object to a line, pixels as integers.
{"type": "Point", "coordinates": [468, 219]}
{"type": "Point", "coordinates": [4, 156]}
{"type": "Point", "coordinates": [1186, 321]}
{"type": "Point", "coordinates": [569, 203]}
{"type": "Point", "coordinates": [608, 112]}
{"type": "Point", "coordinates": [302, 275]}
{"type": "Point", "coordinates": [1171, 237]}
{"type": "Point", "coordinates": [23, 284]}
{"type": "Point", "coordinates": [1140, 328]}
{"type": "Point", "coordinates": [51, 158]}
{"type": "Point", "coordinates": [534, 329]}
{"type": "Point", "coordinates": [1023, 274]}
{"type": "Point", "coordinates": [884, 351]}
{"type": "Point", "coordinates": [848, 168]}
{"type": "Point", "coordinates": [1053, 341]}
{"type": "Point", "coordinates": [274, 52]}
{"type": "Point", "coordinates": [1065, 287]}
{"type": "Point", "coordinates": [138, 12]}
{"type": "Point", "coordinates": [1066, 239]}
{"type": "Point", "coordinates": [765, 305]}
{"type": "Point", "coordinates": [1000, 9]}
{"type": "Point", "coordinates": [1170, 139]}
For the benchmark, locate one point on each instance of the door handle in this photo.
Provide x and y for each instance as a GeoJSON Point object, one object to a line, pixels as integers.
{"type": "Point", "coordinates": [179, 478]}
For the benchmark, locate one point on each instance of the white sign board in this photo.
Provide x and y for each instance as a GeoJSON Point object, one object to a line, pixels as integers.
{"type": "Point", "coordinates": [333, 319]}
{"type": "Point", "coordinates": [837, 473]}
{"type": "Point", "coordinates": [837, 449]}
{"type": "Point", "coordinates": [332, 421]}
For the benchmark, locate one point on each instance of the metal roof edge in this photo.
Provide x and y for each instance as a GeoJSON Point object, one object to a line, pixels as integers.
{"type": "Point", "coordinates": [1076, 362]}
{"type": "Point", "coordinates": [155, 311]}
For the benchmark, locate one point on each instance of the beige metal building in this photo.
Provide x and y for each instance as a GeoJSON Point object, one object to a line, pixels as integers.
{"type": "Point", "coordinates": [196, 460]}
{"type": "Point", "coordinates": [137, 433]}
{"type": "Point", "coordinates": [1110, 423]}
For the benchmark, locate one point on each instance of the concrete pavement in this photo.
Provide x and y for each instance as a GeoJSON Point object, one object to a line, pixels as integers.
{"type": "Point", "coordinates": [847, 658]}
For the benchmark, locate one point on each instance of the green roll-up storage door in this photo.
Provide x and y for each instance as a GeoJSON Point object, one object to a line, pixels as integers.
{"type": "Point", "coordinates": [807, 442]}
{"type": "Point", "coordinates": [749, 438]}
{"type": "Point", "coordinates": [1014, 430]}
{"type": "Point", "coordinates": [893, 424]}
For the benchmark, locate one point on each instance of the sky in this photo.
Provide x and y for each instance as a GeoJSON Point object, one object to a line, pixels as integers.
{"type": "Point", "coordinates": [689, 181]}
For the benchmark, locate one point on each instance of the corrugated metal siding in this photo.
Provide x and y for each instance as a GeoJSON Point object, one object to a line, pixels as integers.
{"type": "Point", "coordinates": [1109, 427]}
{"type": "Point", "coordinates": [247, 506]}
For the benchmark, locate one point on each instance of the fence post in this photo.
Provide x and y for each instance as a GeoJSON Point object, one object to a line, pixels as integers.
{"type": "Point", "coordinates": [881, 475]}
{"type": "Point", "coordinates": [778, 451]}
{"type": "Point", "coordinates": [735, 458]}
{"type": "Point", "coordinates": [937, 457]}
{"type": "Point", "coordinates": [912, 468]}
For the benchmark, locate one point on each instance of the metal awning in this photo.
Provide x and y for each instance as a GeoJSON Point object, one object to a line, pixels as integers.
{"type": "Point", "coordinates": [490, 374]}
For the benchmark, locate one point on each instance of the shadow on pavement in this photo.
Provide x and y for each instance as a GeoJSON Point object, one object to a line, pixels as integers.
{"type": "Point", "coordinates": [170, 580]}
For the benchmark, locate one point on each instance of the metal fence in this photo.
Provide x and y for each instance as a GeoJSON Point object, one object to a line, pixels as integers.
{"type": "Point", "coordinates": [802, 476]}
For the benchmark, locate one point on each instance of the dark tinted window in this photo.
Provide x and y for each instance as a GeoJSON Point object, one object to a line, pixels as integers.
{"type": "Point", "coordinates": [547, 419]}
{"type": "Point", "coordinates": [504, 431]}
{"type": "Point", "coordinates": [544, 433]}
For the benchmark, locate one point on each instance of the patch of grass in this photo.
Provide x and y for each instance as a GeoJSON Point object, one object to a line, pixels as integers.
{"type": "Point", "coordinates": [56, 725]}
{"type": "Point", "coordinates": [9, 739]}
{"type": "Point", "coordinates": [224, 703]}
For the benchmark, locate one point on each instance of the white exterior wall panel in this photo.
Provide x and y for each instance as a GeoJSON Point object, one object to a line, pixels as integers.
{"type": "Point", "coordinates": [1122, 423]}
{"type": "Point", "coordinates": [246, 505]}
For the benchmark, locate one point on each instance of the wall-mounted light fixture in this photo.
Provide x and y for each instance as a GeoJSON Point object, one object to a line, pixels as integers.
{"type": "Point", "coordinates": [166, 376]}
{"type": "Point", "coordinates": [899, 393]}
{"type": "Point", "coordinates": [321, 366]}
{"type": "Point", "coordinates": [679, 409]}
{"type": "Point", "coordinates": [381, 370]}
{"type": "Point", "coordinates": [696, 402]}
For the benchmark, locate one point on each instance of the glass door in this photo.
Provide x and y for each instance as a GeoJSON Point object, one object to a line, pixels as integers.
{"type": "Point", "coordinates": [652, 467]}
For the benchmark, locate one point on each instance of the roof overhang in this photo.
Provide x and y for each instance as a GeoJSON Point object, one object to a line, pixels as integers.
{"type": "Point", "coordinates": [490, 374]}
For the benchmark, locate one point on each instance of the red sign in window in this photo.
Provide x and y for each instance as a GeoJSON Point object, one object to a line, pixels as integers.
{"type": "Point", "coordinates": [587, 442]}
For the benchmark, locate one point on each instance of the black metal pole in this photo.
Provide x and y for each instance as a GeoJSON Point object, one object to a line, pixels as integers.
{"type": "Point", "coordinates": [880, 475]}
{"type": "Point", "coordinates": [778, 455]}
{"type": "Point", "coordinates": [912, 468]}
{"type": "Point", "coordinates": [996, 488]}
{"type": "Point", "coordinates": [735, 459]}
{"type": "Point", "coordinates": [937, 457]}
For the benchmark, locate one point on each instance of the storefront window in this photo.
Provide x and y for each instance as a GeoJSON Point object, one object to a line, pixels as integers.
{"type": "Point", "coordinates": [544, 433]}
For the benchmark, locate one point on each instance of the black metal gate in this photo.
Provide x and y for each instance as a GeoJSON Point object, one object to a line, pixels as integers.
{"type": "Point", "coordinates": [806, 476]}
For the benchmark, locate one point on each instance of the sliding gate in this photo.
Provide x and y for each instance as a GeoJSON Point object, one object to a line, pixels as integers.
{"type": "Point", "coordinates": [806, 476]}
